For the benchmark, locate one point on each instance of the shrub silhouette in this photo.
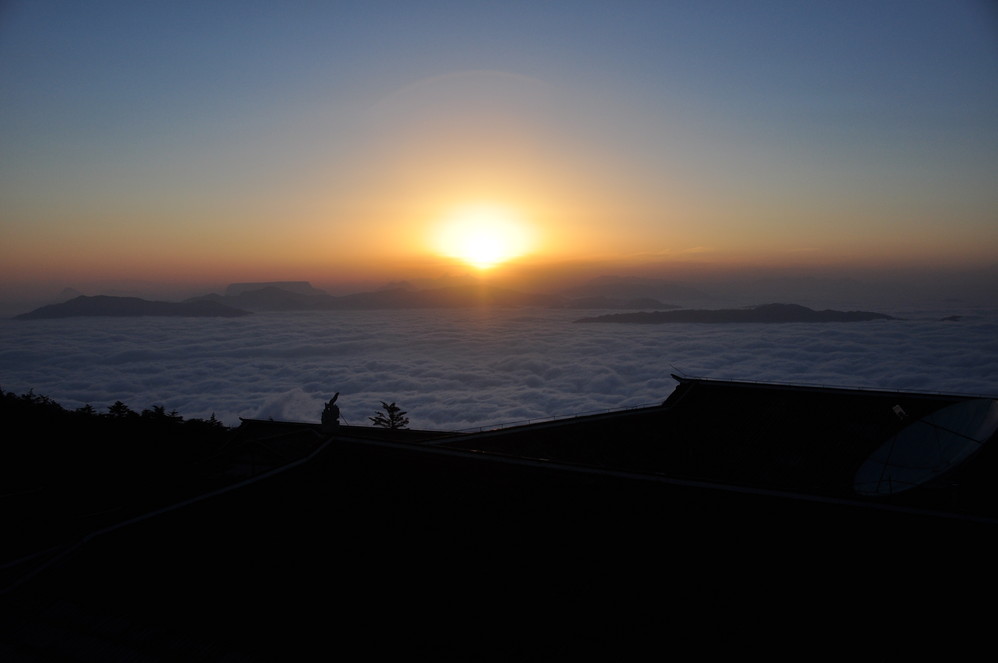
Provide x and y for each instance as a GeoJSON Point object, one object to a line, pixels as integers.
{"type": "Point", "coordinates": [83, 450]}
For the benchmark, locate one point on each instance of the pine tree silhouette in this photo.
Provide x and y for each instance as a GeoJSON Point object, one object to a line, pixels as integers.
{"type": "Point", "coordinates": [393, 417]}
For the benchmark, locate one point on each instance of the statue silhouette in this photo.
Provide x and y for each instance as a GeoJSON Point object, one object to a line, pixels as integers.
{"type": "Point", "coordinates": [331, 415]}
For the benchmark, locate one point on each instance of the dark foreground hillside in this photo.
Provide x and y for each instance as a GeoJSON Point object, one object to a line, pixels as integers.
{"type": "Point", "coordinates": [370, 544]}
{"type": "Point", "coordinates": [381, 552]}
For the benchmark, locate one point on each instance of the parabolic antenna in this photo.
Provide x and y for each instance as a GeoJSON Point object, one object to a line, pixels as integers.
{"type": "Point", "coordinates": [928, 447]}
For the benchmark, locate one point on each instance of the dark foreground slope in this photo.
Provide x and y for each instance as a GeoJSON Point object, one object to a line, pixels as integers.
{"type": "Point", "coordinates": [368, 551]}
{"type": "Point", "coordinates": [474, 547]}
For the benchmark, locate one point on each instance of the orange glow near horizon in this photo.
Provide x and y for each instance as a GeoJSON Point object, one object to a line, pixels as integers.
{"type": "Point", "coordinates": [483, 236]}
{"type": "Point", "coordinates": [436, 145]}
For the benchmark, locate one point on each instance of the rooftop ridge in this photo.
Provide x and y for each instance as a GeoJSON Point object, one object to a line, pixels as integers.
{"type": "Point", "coordinates": [826, 387]}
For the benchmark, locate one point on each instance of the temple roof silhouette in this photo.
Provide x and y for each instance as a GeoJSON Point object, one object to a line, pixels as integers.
{"type": "Point", "coordinates": [920, 450]}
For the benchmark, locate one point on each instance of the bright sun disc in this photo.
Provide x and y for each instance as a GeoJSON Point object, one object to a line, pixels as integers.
{"type": "Point", "coordinates": [483, 236]}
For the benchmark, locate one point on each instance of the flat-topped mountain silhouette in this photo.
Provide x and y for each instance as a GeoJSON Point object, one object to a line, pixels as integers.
{"type": "Point", "coordinates": [762, 313]}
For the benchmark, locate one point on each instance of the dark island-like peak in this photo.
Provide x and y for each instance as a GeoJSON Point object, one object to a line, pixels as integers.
{"type": "Point", "coordinates": [121, 307]}
{"type": "Point", "coordinates": [761, 313]}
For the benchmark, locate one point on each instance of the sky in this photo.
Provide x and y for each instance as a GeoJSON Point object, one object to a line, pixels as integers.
{"type": "Point", "coordinates": [203, 143]}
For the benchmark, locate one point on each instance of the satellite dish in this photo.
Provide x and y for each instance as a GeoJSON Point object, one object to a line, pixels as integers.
{"type": "Point", "coordinates": [928, 447]}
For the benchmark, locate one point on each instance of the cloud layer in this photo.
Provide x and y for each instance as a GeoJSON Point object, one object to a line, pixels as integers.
{"type": "Point", "coordinates": [464, 369]}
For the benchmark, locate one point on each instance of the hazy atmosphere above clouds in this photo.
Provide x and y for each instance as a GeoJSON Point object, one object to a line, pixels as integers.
{"type": "Point", "coordinates": [197, 144]}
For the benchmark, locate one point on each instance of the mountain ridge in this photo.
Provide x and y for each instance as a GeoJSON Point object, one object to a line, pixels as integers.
{"type": "Point", "coordinates": [246, 298]}
{"type": "Point", "coordinates": [763, 313]}
{"type": "Point", "coordinates": [404, 296]}
{"type": "Point", "coordinates": [111, 306]}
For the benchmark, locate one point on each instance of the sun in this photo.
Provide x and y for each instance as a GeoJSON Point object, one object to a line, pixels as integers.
{"type": "Point", "coordinates": [483, 236]}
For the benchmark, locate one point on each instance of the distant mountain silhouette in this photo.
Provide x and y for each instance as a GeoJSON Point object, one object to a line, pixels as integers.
{"type": "Point", "coordinates": [107, 306]}
{"type": "Point", "coordinates": [302, 297]}
{"type": "Point", "coordinates": [243, 298]}
{"type": "Point", "coordinates": [69, 293]}
{"type": "Point", "coordinates": [762, 313]}
{"type": "Point", "coordinates": [634, 287]}
{"type": "Point", "coordinates": [267, 298]}
{"type": "Point", "coordinates": [448, 297]}
{"type": "Point", "coordinates": [298, 287]}
{"type": "Point", "coordinates": [615, 303]}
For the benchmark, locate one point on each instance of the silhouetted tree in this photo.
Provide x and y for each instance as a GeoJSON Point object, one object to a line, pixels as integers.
{"type": "Point", "coordinates": [93, 456]}
{"type": "Point", "coordinates": [87, 410]}
{"type": "Point", "coordinates": [393, 417]}
{"type": "Point", "coordinates": [211, 423]}
{"type": "Point", "coordinates": [120, 411]}
{"type": "Point", "coordinates": [159, 414]}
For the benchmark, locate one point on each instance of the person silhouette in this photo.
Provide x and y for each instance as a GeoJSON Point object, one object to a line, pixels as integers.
{"type": "Point", "coordinates": [331, 415]}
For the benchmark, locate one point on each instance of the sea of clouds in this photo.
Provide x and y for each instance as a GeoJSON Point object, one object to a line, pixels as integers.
{"type": "Point", "coordinates": [464, 369]}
